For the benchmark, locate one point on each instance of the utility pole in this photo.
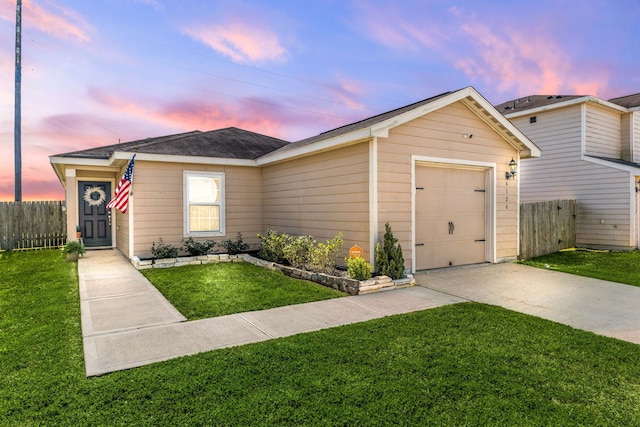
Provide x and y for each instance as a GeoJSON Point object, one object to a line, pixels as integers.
{"type": "Point", "coordinates": [17, 125]}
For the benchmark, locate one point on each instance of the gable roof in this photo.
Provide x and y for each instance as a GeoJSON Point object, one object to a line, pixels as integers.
{"type": "Point", "coordinates": [241, 147]}
{"type": "Point", "coordinates": [362, 124]}
{"type": "Point", "coordinates": [380, 124]}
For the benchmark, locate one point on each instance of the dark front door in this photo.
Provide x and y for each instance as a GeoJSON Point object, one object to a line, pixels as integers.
{"type": "Point", "coordinates": [95, 219]}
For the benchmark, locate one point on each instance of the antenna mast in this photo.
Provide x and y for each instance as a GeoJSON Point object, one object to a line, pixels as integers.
{"type": "Point", "coordinates": [17, 133]}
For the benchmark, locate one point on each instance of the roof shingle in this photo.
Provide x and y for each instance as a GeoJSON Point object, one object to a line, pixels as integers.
{"type": "Point", "coordinates": [228, 143]}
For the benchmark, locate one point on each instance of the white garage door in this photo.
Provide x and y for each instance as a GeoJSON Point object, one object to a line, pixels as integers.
{"type": "Point", "coordinates": [450, 216]}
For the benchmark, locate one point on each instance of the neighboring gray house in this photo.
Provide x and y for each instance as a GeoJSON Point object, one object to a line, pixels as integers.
{"type": "Point", "coordinates": [592, 154]}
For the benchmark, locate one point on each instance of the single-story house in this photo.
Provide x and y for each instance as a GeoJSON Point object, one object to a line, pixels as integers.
{"type": "Point", "coordinates": [591, 154]}
{"type": "Point", "coordinates": [435, 170]}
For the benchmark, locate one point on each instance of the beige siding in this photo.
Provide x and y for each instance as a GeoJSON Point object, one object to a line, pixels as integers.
{"type": "Point", "coordinates": [158, 192]}
{"type": "Point", "coordinates": [602, 133]}
{"type": "Point", "coordinates": [441, 134]}
{"type": "Point", "coordinates": [602, 193]}
{"type": "Point", "coordinates": [320, 195]}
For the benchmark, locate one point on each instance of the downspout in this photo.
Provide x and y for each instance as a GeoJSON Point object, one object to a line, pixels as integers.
{"type": "Point", "coordinates": [373, 198]}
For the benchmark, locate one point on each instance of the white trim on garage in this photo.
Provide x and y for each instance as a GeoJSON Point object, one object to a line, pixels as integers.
{"type": "Point", "coordinates": [490, 212]}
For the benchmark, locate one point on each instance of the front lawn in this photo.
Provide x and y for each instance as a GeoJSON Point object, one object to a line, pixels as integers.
{"type": "Point", "coordinates": [464, 364]}
{"type": "Point", "coordinates": [210, 290]}
{"type": "Point", "coordinates": [621, 267]}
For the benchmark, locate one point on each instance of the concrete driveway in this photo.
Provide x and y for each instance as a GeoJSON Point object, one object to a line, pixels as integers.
{"type": "Point", "coordinates": [606, 308]}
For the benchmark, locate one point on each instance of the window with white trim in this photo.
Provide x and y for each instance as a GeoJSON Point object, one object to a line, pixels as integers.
{"type": "Point", "coordinates": [204, 204]}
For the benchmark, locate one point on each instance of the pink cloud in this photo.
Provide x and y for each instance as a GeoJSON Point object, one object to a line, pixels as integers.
{"type": "Point", "coordinates": [393, 25]}
{"type": "Point", "coordinates": [61, 22]}
{"type": "Point", "coordinates": [241, 41]}
{"type": "Point", "coordinates": [525, 64]}
{"type": "Point", "coordinates": [508, 56]}
{"type": "Point", "coordinates": [258, 114]}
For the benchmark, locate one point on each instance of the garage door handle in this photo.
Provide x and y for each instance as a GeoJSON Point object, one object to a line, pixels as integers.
{"type": "Point", "coordinates": [451, 227]}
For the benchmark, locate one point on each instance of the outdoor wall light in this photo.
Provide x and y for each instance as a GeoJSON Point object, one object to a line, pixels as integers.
{"type": "Point", "coordinates": [513, 169]}
{"type": "Point", "coordinates": [637, 187]}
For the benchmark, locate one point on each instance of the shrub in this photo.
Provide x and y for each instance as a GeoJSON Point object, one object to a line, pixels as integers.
{"type": "Point", "coordinates": [195, 248]}
{"type": "Point", "coordinates": [324, 256]}
{"type": "Point", "coordinates": [358, 268]}
{"type": "Point", "coordinates": [298, 249]}
{"type": "Point", "coordinates": [163, 250]}
{"type": "Point", "coordinates": [389, 258]}
{"type": "Point", "coordinates": [235, 247]}
{"type": "Point", "coordinates": [272, 246]}
{"type": "Point", "coordinates": [74, 247]}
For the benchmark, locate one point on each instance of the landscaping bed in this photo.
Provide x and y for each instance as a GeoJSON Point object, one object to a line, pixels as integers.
{"type": "Point", "coordinates": [344, 284]}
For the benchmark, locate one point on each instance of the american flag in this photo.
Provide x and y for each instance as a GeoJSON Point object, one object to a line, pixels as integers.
{"type": "Point", "coordinates": [121, 196]}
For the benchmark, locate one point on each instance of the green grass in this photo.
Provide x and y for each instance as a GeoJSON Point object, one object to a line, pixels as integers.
{"type": "Point", "coordinates": [621, 267]}
{"type": "Point", "coordinates": [210, 290]}
{"type": "Point", "coordinates": [464, 364]}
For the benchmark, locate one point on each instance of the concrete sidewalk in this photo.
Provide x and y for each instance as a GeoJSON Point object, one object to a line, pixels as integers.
{"type": "Point", "coordinates": [127, 323]}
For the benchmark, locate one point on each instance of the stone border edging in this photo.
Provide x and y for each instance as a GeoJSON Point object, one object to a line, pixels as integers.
{"type": "Point", "coordinates": [344, 284]}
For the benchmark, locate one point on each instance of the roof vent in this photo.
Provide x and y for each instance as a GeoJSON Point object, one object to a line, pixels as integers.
{"type": "Point", "coordinates": [559, 96]}
{"type": "Point", "coordinates": [508, 107]}
{"type": "Point", "coordinates": [550, 97]}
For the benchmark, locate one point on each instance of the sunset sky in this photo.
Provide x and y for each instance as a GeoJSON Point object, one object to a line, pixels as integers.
{"type": "Point", "coordinates": [95, 72]}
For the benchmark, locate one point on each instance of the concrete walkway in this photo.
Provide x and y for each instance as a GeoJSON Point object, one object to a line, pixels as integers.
{"type": "Point", "coordinates": [127, 323]}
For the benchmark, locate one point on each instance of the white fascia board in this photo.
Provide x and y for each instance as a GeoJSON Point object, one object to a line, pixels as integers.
{"type": "Point", "coordinates": [168, 158]}
{"type": "Point", "coordinates": [568, 103]}
{"type": "Point", "coordinates": [631, 169]}
{"type": "Point", "coordinates": [314, 147]}
{"type": "Point", "coordinates": [79, 161]}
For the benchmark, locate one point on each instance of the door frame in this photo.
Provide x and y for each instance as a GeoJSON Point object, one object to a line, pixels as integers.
{"type": "Point", "coordinates": [78, 179]}
{"type": "Point", "coordinates": [490, 199]}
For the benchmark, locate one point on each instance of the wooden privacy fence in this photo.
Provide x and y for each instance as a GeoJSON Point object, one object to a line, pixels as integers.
{"type": "Point", "coordinates": [547, 227]}
{"type": "Point", "coordinates": [29, 225]}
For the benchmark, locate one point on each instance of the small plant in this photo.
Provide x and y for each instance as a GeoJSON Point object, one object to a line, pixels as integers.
{"type": "Point", "coordinates": [323, 258]}
{"type": "Point", "coordinates": [272, 246]}
{"type": "Point", "coordinates": [298, 249]}
{"type": "Point", "coordinates": [163, 250]}
{"type": "Point", "coordinates": [389, 258]}
{"type": "Point", "coordinates": [196, 248]}
{"type": "Point", "coordinates": [358, 268]}
{"type": "Point", "coordinates": [235, 247]}
{"type": "Point", "coordinates": [74, 247]}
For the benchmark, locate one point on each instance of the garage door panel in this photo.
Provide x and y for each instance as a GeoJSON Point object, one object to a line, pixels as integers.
{"type": "Point", "coordinates": [449, 196]}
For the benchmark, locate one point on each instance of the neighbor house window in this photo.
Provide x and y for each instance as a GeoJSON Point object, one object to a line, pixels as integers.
{"type": "Point", "coordinates": [204, 204]}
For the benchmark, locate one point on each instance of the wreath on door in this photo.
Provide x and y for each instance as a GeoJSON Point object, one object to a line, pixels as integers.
{"type": "Point", "coordinates": [94, 196]}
